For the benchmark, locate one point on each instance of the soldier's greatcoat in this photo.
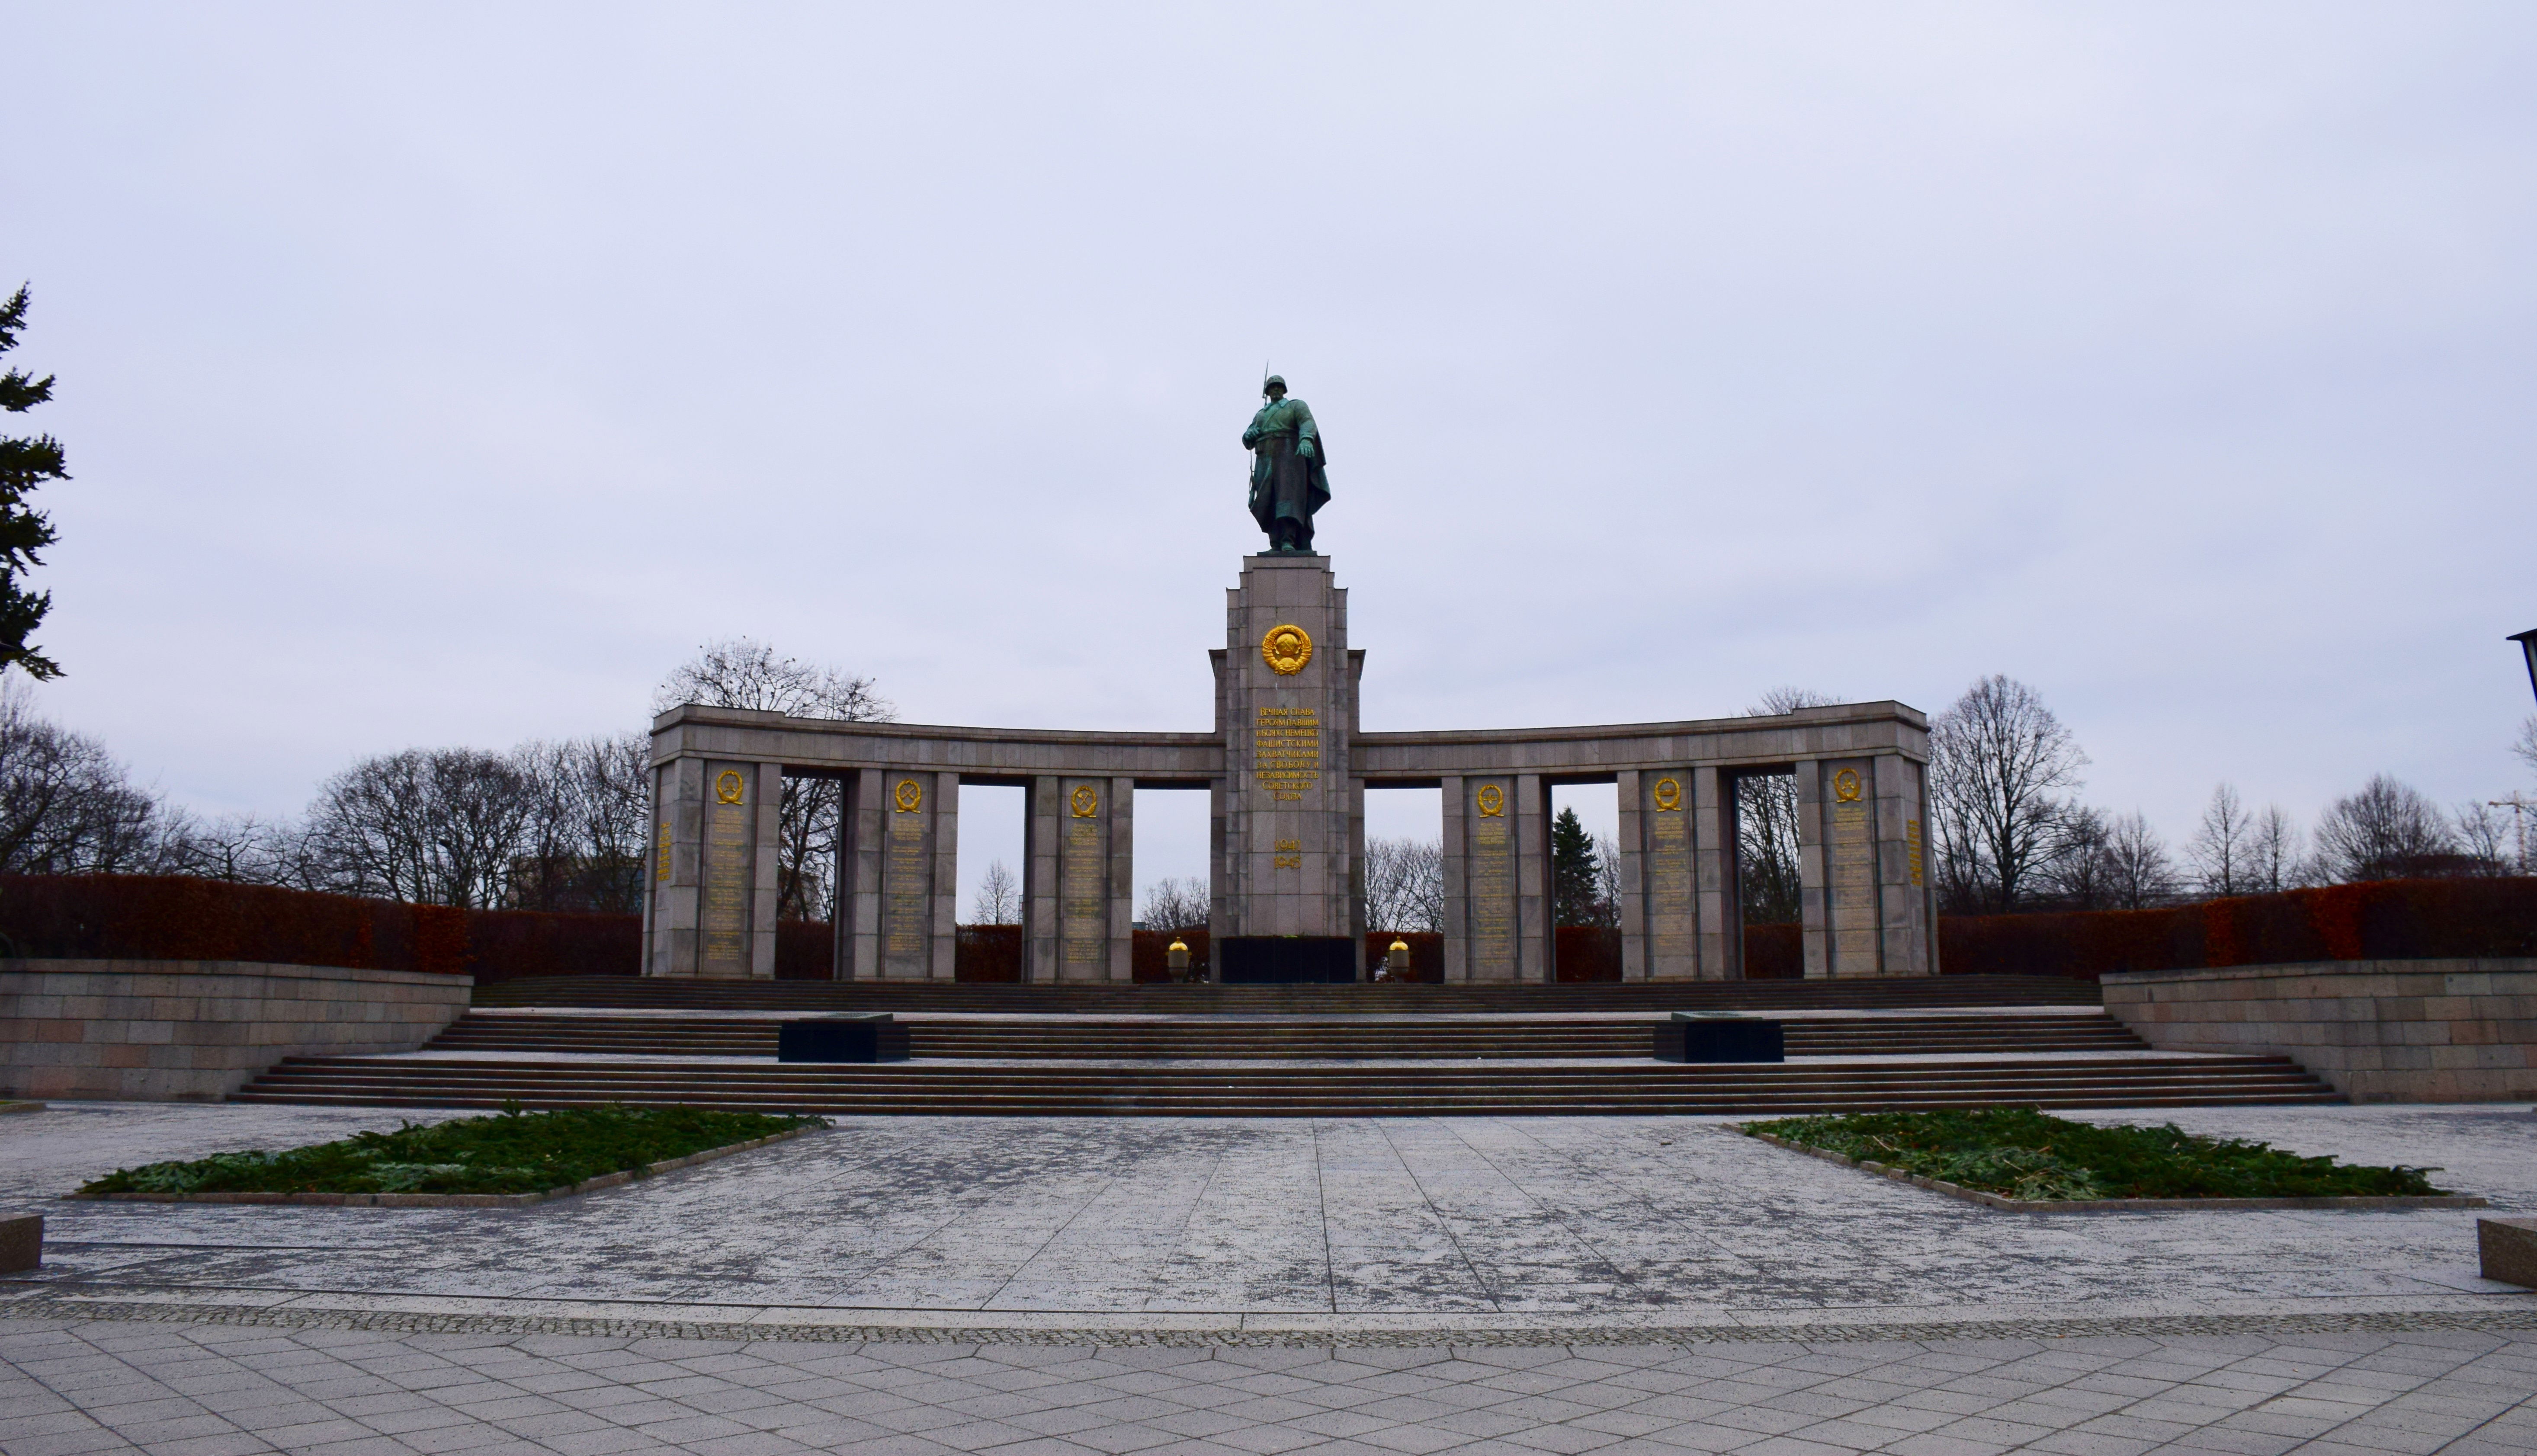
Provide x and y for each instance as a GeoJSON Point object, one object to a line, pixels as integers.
{"type": "Point", "coordinates": [1285, 483]}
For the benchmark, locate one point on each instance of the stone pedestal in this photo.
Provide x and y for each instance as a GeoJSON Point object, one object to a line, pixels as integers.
{"type": "Point", "coordinates": [1286, 705]}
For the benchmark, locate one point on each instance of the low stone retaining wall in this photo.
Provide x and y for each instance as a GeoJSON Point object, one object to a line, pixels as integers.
{"type": "Point", "coordinates": [2375, 1031]}
{"type": "Point", "coordinates": [197, 1031]}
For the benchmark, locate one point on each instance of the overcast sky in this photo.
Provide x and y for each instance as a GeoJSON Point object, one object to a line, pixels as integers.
{"type": "Point", "coordinates": [444, 374]}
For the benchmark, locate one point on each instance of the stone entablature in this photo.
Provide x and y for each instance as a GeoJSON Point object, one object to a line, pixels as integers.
{"type": "Point", "coordinates": [1287, 768]}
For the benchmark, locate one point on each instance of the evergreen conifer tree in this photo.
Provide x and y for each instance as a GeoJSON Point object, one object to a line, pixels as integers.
{"type": "Point", "coordinates": [1575, 873]}
{"type": "Point", "coordinates": [24, 464]}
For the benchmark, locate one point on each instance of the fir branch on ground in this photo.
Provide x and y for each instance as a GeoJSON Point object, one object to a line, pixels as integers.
{"type": "Point", "coordinates": [509, 1153]}
{"type": "Point", "coordinates": [2021, 1153]}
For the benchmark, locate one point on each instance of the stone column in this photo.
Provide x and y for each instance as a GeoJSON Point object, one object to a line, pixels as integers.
{"type": "Point", "coordinates": [858, 860]}
{"type": "Point", "coordinates": [720, 941]}
{"type": "Point", "coordinates": [1905, 920]}
{"type": "Point", "coordinates": [1536, 935]}
{"type": "Point", "coordinates": [1492, 901]}
{"type": "Point", "coordinates": [1041, 835]}
{"type": "Point", "coordinates": [1851, 915]}
{"type": "Point", "coordinates": [1455, 868]}
{"type": "Point", "coordinates": [1094, 940]}
{"type": "Point", "coordinates": [1812, 933]}
{"type": "Point", "coordinates": [767, 862]}
{"type": "Point", "coordinates": [1660, 819]}
{"type": "Point", "coordinates": [1630, 871]}
{"type": "Point", "coordinates": [916, 836]}
{"type": "Point", "coordinates": [943, 957]}
{"type": "Point", "coordinates": [672, 906]}
{"type": "Point", "coordinates": [1288, 868]}
{"type": "Point", "coordinates": [1721, 907]}
{"type": "Point", "coordinates": [1123, 880]}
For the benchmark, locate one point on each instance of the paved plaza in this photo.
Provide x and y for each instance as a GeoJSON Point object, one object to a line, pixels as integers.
{"type": "Point", "coordinates": [1338, 1286]}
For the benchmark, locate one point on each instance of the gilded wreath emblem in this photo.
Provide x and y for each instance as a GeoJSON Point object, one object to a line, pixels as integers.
{"type": "Point", "coordinates": [1286, 649]}
{"type": "Point", "coordinates": [1846, 786]}
{"type": "Point", "coordinates": [910, 795]}
{"type": "Point", "coordinates": [1669, 797]}
{"type": "Point", "coordinates": [1084, 801]}
{"type": "Point", "coordinates": [730, 788]}
{"type": "Point", "coordinates": [1492, 801]}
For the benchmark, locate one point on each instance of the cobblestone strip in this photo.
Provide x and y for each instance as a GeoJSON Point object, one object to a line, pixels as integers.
{"type": "Point", "coordinates": [47, 1306]}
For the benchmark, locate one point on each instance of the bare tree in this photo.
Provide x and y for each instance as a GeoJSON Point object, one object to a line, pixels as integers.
{"type": "Point", "coordinates": [1000, 898]}
{"type": "Point", "coordinates": [2273, 852]}
{"type": "Point", "coordinates": [66, 804]}
{"type": "Point", "coordinates": [588, 840]}
{"type": "Point", "coordinates": [244, 848]}
{"type": "Point", "coordinates": [1607, 875]}
{"type": "Point", "coordinates": [739, 673]}
{"type": "Point", "coordinates": [1404, 886]}
{"type": "Point", "coordinates": [2484, 838]}
{"type": "Point", "coordinates": [1766, 823]}
{"type": "Point", "coordinates": [2526, 747]}
{"type": "Point", "coordinates": [1780, 700]}
{"type": "Point", "coordinates": [1176, 903]}
{"type": "Point", "coordinates": [2138, 870]}
{"type": "Point", "coordinates": [1998, 759]}
{"type": "Point", "coordinates": [2220, 849]}
{"type": "Point", "coordinates": [2073, 861]}
{"type": "Point", "coordinates": [441, 826]}
{"type": "Point", "coordinates": [1767, 876]}
{"type": "Point", "coordinates": [2387, 831]}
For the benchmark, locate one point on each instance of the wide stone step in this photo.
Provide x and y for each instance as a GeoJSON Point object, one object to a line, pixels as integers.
{"type": "Point", "coordinates": [602, 991]}
{"type": "Point", "coordinates": [1293, 1090]}
{"type": "Point", "coordinates": [1069, 1038]}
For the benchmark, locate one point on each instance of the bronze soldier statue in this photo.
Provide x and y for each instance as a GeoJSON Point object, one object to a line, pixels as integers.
{"type": "Point", "coordinates": [1287, 480]}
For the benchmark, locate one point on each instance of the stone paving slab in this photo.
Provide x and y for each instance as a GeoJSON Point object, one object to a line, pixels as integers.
{"type": "Point", "coordinates": [69, 1385]}
{"type": "Point", "coordinates": [1593, 1218]}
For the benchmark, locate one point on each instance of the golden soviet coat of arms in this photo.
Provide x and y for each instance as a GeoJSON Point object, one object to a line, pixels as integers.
{"type": "Point", "coordinates": [1286, 649]}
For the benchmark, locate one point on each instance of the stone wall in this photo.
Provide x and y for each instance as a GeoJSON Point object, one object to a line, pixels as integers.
{"type": "Point", "coordinates": [197, 1031]}
{"type": "Point", "coordinates": [2376, 1030]}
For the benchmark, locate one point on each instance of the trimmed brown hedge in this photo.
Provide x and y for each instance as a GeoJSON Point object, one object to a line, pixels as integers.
{"type": "Point", "coordinates": [170, 917]}
{"type": "Point", "coordinates": [2385, 920]}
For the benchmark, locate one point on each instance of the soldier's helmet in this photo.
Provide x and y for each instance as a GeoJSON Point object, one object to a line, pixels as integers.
{"type": "Point", "coordinates": [1273, 381]}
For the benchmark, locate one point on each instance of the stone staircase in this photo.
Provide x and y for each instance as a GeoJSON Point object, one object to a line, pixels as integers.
{"type": "Point", "coordinates": [811, 998]}
{"type": "Point", "coordinates": [1288, 1089]}
{"type": "Point", "coordinates": [1270, 1052]}
{"type": "Point", "coordinates": [1083, 1038]}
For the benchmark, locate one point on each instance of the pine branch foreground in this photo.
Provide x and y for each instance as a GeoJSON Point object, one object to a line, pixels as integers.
{"type": "Point", "coordinates": [26, 462]}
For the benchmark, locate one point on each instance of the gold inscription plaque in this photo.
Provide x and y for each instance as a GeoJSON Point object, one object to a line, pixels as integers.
{"type": "Point", "coordinates": [1669, 797]}
{"type": "Point", "coordinates": [731, 788]}
{"type": "Point", "coordinates": [1846, 786]}
{"type": "Point", "coordinates": [1286, 649]}
{"type": "Point", "coordinates": [665, 852]}
{"type": "Point", "coordinates": [1492, 800]}
{"type": "Point", "coordinates": [1912, 849]}
{"type": "Point", "coordinates": [1083, 802]}
{"type": "Point", "coordinates": [910, 795]}
{"type": "Point", "coordinates": [1286, 751]}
